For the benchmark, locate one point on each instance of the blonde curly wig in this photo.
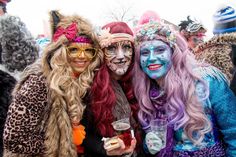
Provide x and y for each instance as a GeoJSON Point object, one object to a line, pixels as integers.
{"type": "Point", "coordinates": [66, 92]}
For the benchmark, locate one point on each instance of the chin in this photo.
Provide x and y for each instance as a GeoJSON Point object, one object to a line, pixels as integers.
{"type": "Point", "coordinates": [121, 73]}
{"type": "Point", "coordinates": [79, 70]}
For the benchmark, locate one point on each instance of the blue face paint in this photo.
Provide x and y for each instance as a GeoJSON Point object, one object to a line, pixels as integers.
{"type": "Point", "coordinates": [155, 58]}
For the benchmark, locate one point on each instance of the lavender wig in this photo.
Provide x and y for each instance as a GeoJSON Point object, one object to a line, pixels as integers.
{"type": "Point", "coordinates": [182, 105]}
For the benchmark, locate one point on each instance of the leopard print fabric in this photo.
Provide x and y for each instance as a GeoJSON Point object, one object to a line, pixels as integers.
{"type": "Point", "coordinates": [217, 52]}
{"type": "Point", "coordinates": [218, 55]}
{"type": "Point", "coordinates": [22, 134]}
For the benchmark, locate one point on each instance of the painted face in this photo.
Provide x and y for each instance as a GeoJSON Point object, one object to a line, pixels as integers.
{"type": "Point", "coordinates": [196, 40]}
{"type": "Point", "coordinates": [155, 58]}
{"type": "Point", "coordinates": [118, 57]}
{"type": "Point", "coordinates": [80, 56]}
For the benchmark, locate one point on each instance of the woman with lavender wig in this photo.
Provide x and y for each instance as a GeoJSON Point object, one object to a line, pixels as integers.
{"type": "Point", "coordinates": [195, 99]}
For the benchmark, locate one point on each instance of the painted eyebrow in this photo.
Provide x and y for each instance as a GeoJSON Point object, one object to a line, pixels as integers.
{"type": "Point", "coordinates": [113, 45]}
{"type": "Point", "coordinates": [144, 46]}
{"type": "Point", "coordinates": [122, 43]}
{"type": "Point", "coordinates": [126, 42]}
{"type": "Point", "coordinates": [144, 49]}
{"type": "Point", "coordinates": [162, 47]}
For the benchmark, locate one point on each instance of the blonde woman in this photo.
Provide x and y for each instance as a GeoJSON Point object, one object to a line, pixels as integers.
{"type": "Point", "coordinates": [48, 104]}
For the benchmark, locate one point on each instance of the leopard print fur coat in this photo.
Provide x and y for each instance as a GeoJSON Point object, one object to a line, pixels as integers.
{"type": "Point", "coordinates": [217, 52]}
{"type": "Point", "coordinates": [28, 119]}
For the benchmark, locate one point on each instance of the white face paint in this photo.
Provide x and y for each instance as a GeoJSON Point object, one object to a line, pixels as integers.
{"type": "Point", "coordinates": [118, 57]}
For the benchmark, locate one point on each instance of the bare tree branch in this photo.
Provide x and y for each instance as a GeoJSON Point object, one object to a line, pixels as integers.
{"type": "Point", "coordinates": [123, 12]}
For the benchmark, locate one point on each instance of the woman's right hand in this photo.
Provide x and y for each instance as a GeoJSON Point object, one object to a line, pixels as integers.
{"type": "Point", "coordinates": [120, 149]}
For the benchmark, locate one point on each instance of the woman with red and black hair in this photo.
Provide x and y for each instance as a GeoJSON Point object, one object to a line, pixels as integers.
{"type": "Point", "coordinates": [112, 94]}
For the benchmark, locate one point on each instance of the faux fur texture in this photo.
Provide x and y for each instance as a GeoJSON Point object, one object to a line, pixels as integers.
{"type": "Point", "coordinates": [54, 112]}
{"type": "Point", "coordinates": [7, 83]}
{"type": "Point", "coordinates": [58, 124]}
{"type": "Point", "coordinates": [19, 48]}
{"type": "Point", "coordinates": [59, 128]}
{"type": "Point", "coordinates": [31, 70]}
{"type": "Point", "coordinates": [217, 52]}
{"type": "Point", "coordinates": [16, 74]}
{"type": "Point", "coordinates": [16, 45]}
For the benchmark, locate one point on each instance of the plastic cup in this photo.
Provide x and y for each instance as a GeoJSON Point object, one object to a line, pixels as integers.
{"type": "Point", "coordinates": [123, 130]}
{"type": "Point", "coordinates": [159, 127]}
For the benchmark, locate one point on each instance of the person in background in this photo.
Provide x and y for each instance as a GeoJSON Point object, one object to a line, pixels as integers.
{"type": "Point", "coordinates": [42, 41]}
{"type": "Point", "coordinates": [194, 99]}
{"type": "Point", "coordinates": [48, 102]}
{"type": "Point", "coordinates": [3, 11]}
{"type": "Point", "coordinates": [193, 31]}
{"type": "Point", "coordinates": [3, 8]}
{"type": "Point", "coordinates": [112, 94]}
{"type": "Point", "coordinates": [219, 51]}
{"type": "Point", "coordinates": [17, 50]}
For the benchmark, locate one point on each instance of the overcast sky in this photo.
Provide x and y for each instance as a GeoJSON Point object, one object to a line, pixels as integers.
{"type": "Point", "coordinates": [33, 12]}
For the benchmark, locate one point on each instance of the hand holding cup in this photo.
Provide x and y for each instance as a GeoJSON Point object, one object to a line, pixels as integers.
{"type": "Point", "coordinates": [115, 146]}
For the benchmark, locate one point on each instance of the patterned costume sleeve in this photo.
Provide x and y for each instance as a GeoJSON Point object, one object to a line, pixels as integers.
{"type": "Point", "coordinates": [22, 132]}
{"type": "Point", "coordinates": [224, 106]}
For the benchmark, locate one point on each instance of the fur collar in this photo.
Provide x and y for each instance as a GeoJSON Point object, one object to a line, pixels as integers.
{"type": "Point", "coordinates": [56, 123]}
{"type": "Point", "coordinates": [221, 39]}
{"type": "Point", "coordinates": [16, 74]}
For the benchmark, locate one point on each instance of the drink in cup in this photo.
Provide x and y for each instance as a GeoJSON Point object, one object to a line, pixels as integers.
{"type": "Point", "coordinates": [123, 130]}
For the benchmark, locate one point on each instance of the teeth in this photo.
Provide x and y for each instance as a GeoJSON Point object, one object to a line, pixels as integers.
{"type": "Point", "coordinates": [119, 62]}
{"type": "Point", "coordinates": [154, 67]}
{"type": "Point", "coordinates": [80, 62]}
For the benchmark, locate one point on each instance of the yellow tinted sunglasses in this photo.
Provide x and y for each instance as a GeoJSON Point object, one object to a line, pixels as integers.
{"type": "Point", "coordinates": [76, 51]}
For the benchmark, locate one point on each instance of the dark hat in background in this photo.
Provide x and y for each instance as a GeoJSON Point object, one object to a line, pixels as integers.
{"type": "Point", "coordinates": [224, 20]}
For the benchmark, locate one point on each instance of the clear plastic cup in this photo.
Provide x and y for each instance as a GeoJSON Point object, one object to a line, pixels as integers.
{"type": "Point", "coordinates": [159, 127]}
{"type": "Point", "coordinates": [123, 130]}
